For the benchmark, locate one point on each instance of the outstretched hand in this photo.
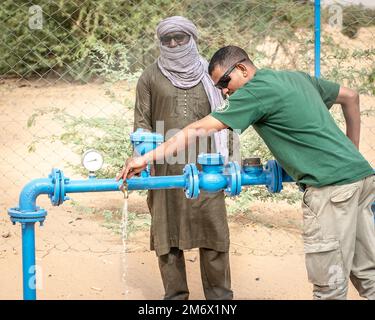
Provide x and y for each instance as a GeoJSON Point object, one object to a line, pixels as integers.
{"type": "Point", "coordinates": [132, 167]}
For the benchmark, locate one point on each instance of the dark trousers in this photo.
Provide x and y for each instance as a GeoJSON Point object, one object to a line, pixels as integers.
{"type": "Point", "coordinates": [215, 274]}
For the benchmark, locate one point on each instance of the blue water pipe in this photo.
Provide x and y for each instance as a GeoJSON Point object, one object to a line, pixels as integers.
{"type": "Point", "coordinates": [317, 38]}
{"type": "Point", "coordinates": [214, 176]}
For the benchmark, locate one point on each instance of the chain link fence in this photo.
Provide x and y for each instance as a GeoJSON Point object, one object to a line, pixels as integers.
{"type": "Point", "coordinates": [68, 70]}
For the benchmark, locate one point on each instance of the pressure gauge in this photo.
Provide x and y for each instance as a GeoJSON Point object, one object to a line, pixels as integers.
{"type": "Point", "coordinates": [92, 160]}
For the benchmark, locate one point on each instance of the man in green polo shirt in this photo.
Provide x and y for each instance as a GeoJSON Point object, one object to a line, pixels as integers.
{"type": "Point", "coordinates": [290, 111]}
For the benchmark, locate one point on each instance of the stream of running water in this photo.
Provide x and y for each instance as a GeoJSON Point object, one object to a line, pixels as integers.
{"type": "Point", "coordinates": [124, 236]}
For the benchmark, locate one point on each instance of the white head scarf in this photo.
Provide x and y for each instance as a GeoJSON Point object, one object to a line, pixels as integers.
{"type": "Point", "coordinates": [185, 68]}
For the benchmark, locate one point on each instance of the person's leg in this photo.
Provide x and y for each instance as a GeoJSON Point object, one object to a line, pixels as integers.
{"type": "Point", "coordinates": [215, 274]}
{"type": "Point", "coordinates": [363, 270]}
{"type": "Point", "coordinates": [173, 274]}
{"type": "Point", "coordinates": [330, 219]}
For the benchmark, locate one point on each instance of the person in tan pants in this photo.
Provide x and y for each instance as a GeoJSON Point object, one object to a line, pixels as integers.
{"type": "Point", "coordinates": [339, 238]}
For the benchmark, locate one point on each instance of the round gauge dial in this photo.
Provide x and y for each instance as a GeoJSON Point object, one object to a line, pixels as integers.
{"type": "Point", "coordinates": [92, 160]}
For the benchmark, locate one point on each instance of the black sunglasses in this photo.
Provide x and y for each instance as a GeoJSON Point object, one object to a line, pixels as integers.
{"type": "Point", "coordinates": [225, 78]}
{"type": "Point", "coordinates": [179, 38]}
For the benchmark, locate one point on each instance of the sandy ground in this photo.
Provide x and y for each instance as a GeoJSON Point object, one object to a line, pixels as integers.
{"type": "Point", "coordinates": [79, 258]}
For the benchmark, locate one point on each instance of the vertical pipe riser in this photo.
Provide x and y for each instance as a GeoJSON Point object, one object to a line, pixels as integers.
{"type": "Point", "coordinates": [28, 261]}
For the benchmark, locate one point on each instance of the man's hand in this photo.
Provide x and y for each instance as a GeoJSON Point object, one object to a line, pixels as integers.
{"type": "Point", "coordinates": [132, 167]}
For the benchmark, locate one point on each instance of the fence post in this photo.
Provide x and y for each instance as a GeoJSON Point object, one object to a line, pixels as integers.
{"type": "Point", "coordinates": [317, 37]}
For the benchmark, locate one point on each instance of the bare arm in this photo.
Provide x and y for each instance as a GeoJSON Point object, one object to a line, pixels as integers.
{"type": "Point", "coordinates": [349, 100]}
{"type": "Point", "coordinates": [178, 142]}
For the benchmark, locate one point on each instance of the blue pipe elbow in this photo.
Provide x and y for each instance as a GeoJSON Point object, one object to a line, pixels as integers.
{"type": "Point", "coordinates": [29, 193]}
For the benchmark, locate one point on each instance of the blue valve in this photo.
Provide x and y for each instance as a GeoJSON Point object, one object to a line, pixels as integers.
{"type": "Point", "coordinates": [144, 141]}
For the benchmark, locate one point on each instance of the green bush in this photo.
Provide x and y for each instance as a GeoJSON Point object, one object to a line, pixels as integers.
{"type": "Point", "coordinates": [355, 17]}
{"type": "Point", "coordinates": [73, 31]}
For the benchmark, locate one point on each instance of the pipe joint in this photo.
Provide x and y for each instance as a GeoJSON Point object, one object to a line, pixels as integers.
{"type": "Point", "coordinates": [16, 215]}
{"type": "Point", "coordinates": [59, 181]}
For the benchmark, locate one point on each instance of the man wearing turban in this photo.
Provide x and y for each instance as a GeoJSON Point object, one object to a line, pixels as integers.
{"type": "Point", "coordinates": [177, 90]}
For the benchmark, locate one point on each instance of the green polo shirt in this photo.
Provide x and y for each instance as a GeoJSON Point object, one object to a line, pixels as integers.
{"type": "Point", "coordinates": [290, 111]}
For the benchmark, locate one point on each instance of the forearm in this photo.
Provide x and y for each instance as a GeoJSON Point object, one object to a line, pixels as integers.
{"type": "Point", "coordinates": [185, 137]}
{"type": "Point", "coordinates": [176, 144]}
{"type": "Point", "coordinates": [352, 117]}
{"type": "Point", "coordinates": [349, 100]}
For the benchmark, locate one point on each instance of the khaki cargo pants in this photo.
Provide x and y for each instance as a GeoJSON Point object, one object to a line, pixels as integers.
{"type": "Point", "coordinates": [339, 239]}
{"type": "Point", "coordinates": [215, 274]}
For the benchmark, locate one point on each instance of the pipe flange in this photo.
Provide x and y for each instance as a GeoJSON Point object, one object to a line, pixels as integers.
{"type": "Point", "coordinates": [279, 176]}
{"type": "Point", "coordinates": [31, 216]}
{"type": "Point", "coordinates": [275, 184]}
{"type": "Point", "coordinates": [55, 179]}
{"type": "Point", "coordinates": [233, 173]}
{"type": "Point", "coordinates": [192, 181]}
{"type": "Point", "coordinates": [58, 179]}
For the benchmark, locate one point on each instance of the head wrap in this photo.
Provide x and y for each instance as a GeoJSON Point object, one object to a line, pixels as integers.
{"type": "Point", "coordinates": [185, 68]}
{"type": "Point", "coordinates": [176, 24]}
